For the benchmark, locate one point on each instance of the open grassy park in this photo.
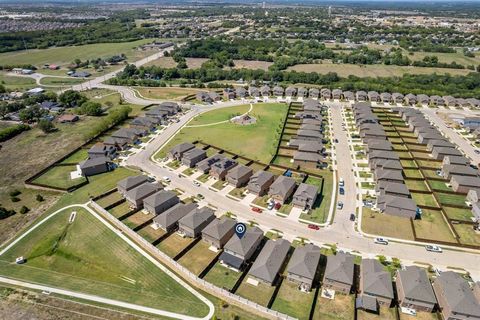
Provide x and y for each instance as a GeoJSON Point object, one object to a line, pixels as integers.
{"type": "Point", "coordinates": [64, 254]}
{"type": "Point", "coordinates": [167, 93]}
{"type": "Point", "coordinates": [257, 141]}
{"type": "Point", "coordinates": [16, 83]}
{"type": "Point", "coordinates": [65, 55]}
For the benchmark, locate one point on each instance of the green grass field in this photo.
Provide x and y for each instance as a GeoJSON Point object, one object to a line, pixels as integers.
{"type": "Point", "coordinates": [257, 141]}
{"type": "Point", "coordinates": [320, 210]}
{"type": "Point", "coordinates": [17, 83]}
{"type": "Point", "coordinates": [342, 307]}
{"type": "Point", "coordinates": [59, 176]}
{"type": "Point", "coordinates": [65, 55]}
{"type": "Point", "coordinates": [60, 82]}
{"type": "Point", "coordinates": [168, 93]}
{"type": "Point", "coordinates": [291, 301]}
{"type": "Point", "coordinates": [66, 255]}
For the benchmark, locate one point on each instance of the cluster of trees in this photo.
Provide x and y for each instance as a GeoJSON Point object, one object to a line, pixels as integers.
{"type": "Point", "coordinates": [97, 63]}
{"type": "Point", "coordinates": [113, 118]}
{"type": "Point", "coordinates": [4, 213]}
{"type": "Point", "coordinates": [12, 131]}
{"type": "Point", "coordinates": [432, 84]}
{"type": "Point", "coordinates": [432, 61]}
{"type": "Point", "coordinates": [90, 108]}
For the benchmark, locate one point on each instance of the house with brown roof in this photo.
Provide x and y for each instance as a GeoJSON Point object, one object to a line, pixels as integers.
{"type": "Point", "coordinates": [414, 290]}
{"type": "Point", "coordinates": [282, 189]}
{"type": "Point", "coordinates": [260, 182]}
{"type": "Point", "coordinates": [338, 274]}
{"type": "Point", "coordinates": [239, 175]}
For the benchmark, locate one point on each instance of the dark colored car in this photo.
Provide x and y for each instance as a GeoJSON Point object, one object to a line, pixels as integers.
{"type": "Point", "coordinates": [352, 217]}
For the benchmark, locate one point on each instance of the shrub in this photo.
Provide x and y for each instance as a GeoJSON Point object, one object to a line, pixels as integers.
{"type": "Point", "coordinates": [39, 198]}
{"type": "Point", "coordinates": [14, 193]}
{"type": "Point", "coordinates": [12, 131]}
{"type": "Point", "coordinates": [46, 125]}
{"type": "Point", "coordinates": [4, 213]}
{"type": "Point", "coordinates": [24, 210]}
{"type": "Point", "coordinates": [15, 199]}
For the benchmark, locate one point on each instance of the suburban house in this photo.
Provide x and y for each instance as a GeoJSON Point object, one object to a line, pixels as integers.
{"type": "Point", "coordinates": [376, 282]}
{"type": "Point", "coordinates": [241, 92]}
{"type": "Point", "coordinates": [423, 99]}
{"type": "Point", "coordinates": [411, 99]}
{"type": "Point", "coordinates": [305, 196]}
{"type": "Point", "coordinates": [339, 272]}
{"type": "Point", "coordinates": [464, 184]}
{"type": "Point", "coordinates": [219, 169]}
{"type": "Point", "coordinates": [373, 96]}
{"type": "Point", "coordinates": [219, 231]}
{"type": "Point", "coordinates": [302, 93]}
{"type": "Point", "coordinates": [168, 220]}
{"type": "Point", "coordinates": [361, 95]}
{"type": "Point", "coordinates": [289, 92]}
{"type": "Point", "coordinates": [306, 158]}
{"type": "Point", "coordinates": [177, 152]}
{"type": "Point", "coordinates": [265, 91]}
{"type": "Point", "coordinates": [385, 97]}
{"type": "Point", "coordinates": [337, 94]}
{"type": "Point", "coordinates": [161, 115]}
{"type": "Point", "coordinates": [193, 156]}
{"type": "Point", "coordinates": [278, 91]}
{"type": "Point", "coordinates": [388, 175]}
{"type": "Point", "coordinates": [205, 165]}
{"type": "Point", "coordinates": [313, 93]}
{"type": "Point", "coordinates": [147, 123]}
{"type": "Point", "coordinates": [397, 97]}
{"type": "Point", "coordinates": [449, 170]}
{"type": "Point", "coordinates": [325, 93]}
{"type": "Point", "coordinates": [119, 144]}
{"type": "Point", "coordinates": [414, 289]}
{"type": "Point", "coordinates": [100, 150]}
{"type": "Point", "coordinates": [439, 143]}
{"type": "Point", "coordinates": [457, 160]}
{"type": "Point", "coordinates": [282, 188]}
{"type": "Point", "coordinates": [348, 95]}
{"type": "Point", "coordinates": [387, 165]}
{"type": "Point", "coordinates": [229, 93]}
{"type": "Point", "coordinates": [260, 182]}
{"type": "Point", "coordinates": [194, 222]}
{"type": "Point", "coordinates": [267, 265]}
{"type": "Point", "coordinates": [392, 188]}
{"type": "Point", "coordinates": [253, 92]}
{"type": "Point", "coordinates": [239, 175]}
{"type": "Point", "coordinates": [238, 251]}
{"type": "Point", "coordinates": [67, 118]}
{"type": "Point", "coordinates": [455, 298]}
{"type": "Point", "coordinates": [303, 264]}
{"type": "Point", "coordinates": [395, 205]}
{"type": "Point", "coordinates": [93, 166]}
{"type": "Point", "coordinates": [160, 201]}
{"type": "Point", "coordinates": [129, 183]}
{"type": "Point", "coordinates": [126, 134]}
{"type": "Point", "coordinates": [136, 195]}
{"type": "Point", "coordinates": [441, 152]}
{"type": "Point", "coordinates": [431, 135]}
{"type": "Point", "coordinates": [378, 144]}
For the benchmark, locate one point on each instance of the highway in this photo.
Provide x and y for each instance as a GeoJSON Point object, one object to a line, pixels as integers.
{"type": "Point", "coordinates": [341, 232]}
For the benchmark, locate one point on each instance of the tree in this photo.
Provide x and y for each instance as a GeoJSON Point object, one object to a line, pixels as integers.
{"type": "Point", "coordinates": [24, 210]}
{"type": "Point", "coordinates": [72, 98]}
{"type": "Point", "coordinates": [91, 108]}
{"type": "Point", "coordinates": [39, 198]}
{"type": "Point", "coordinates": [4, 213]}
{"type": "Point", "coordinates": [46, 125]}
{"type": "Point", "coordinates": [33, 113]}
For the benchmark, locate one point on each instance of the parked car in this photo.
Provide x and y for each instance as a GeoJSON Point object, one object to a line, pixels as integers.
{"type": "Point", "coordinates": [258, 210]}
{"type": "Point", "coordinates": [341, 182]}
{"type": "Point", "coordinates": [433, 248]}
{"type": "Point", "coordinates": [271, 205]}
{"type": "Point", "coordinates": [477, 151]}
{"type": "Point", "coordinates": [196, 183]}
{"type": "Point", "coordinates": [335, 140]}
{"type": "Point", "coordinates": [200, 196]}
{"type": "Point", "coordinates": [381, 241]}
{"type": "Point", "coordinates": [278, 205]}
{"type": "Point", "coordinates": [167, 179]}
{"type": "Point", "coordinates": [150, 179]}
{"type": "Point", "coordinates": [352, 216]}
{"type": "Point", "coordinates": [314, 227]}
{"type": "Point", "coordinates": [340, 205]}
{"type": "Point", "coordinates": [341, 191]}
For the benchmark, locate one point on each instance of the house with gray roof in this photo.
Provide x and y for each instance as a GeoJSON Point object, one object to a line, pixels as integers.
{"type": "Point", "coordinates": [376, 282]}
{"type": "Point", "coordinates": [439, 143]}
{"type": "Point", "coordinates": [305, 196]}
{"type": "Point", "coordinates": [464, 184]}
{"type": "Point", "coordinates": [361, 95]}
{"type": "Point", "coordinates": [458, 160]}
{"type": "Point", "coordinates": [387, 165]}
{"type": "Point", "coordinates": [168, 220]}
{"type": "Point", "coordinates": [194, 222]}
{"type": "Point", "coordinates": [119, 144]}
{"type": "Point", "coordinates": [177, 152]}
{"type": "Point", "coordinates": [127, 134]}
{"type": "Point", "coordinates": [382, 155]}
{"type": "Point", "coordinates": [93, 166]}
{"type": "Point", "coordinates": [303, 264]}
{"type": "Point", "coordinates": [269, 262]}
{"type": "Point", "coordinates": [265, 91]}
{"type": "Point", "coordinates": [305, 158]}
{"type": "Point", "coordinates": [129, 183]}
{"type": "Point", "coordinates": [253, 92]}
{"type": "Point", "coordinates": [162, 115]}
{"type": "Point", "coordinates": [326, 93]}
{"type": "Point", "coordinates": [308, 115]}
{"type": "Point", "coordinates": [170, 107]}
{"type": "Point", "coordinates": [282, 189]}
{"type": "Point", "coordinates": [392, 189]}
{"type": "Point", "coordinates": [397, 97]}
{"type": "Point", "coordinates": [411, 99]}
{"type": "Point", "coordinates": [397, 206]}
{"type": "Point", "coordinates": [160, 201]}
{"type": "Point", "coordinates": [449, 170]}
{"type": "Point", "coordinates": [136, 195]}
{"type": "Point", "coordinates": [238, 251]}
{"type": "Point", "coordinates": [239, 175]}
{"type": "Point", "coordinates": [313, 93]}
{"type": "Point", "coordinates": [373, 96]}
{"type": "Point", "coordinates": [241, 92]}
{"type": "Point", "coordinates": [193, 156]}
{"type": "Point", "coordinates": [302, 92]}
{"type": "Point", "coordinates": [229, 93]}
{"type": "Point", "coordinates": [313, 127]}
{"type": "Point", "coordinates": [289, 92]}
{"type": "Point", "coordinates": [219, 231]}
{"type": "Point", "coordinates": [387, 175]}
{"type": "Point", "coordinates": [441, 152]}
{"type": "Point", "coordinates": [260, 182]}
{"type": "Point", "coordinates": [101, 150]}
{"type": "Point", "coordinates": [414, 290]}
{"type": "Point", "coordinates": [431, 135]}
{"type": "Point", "coordinates": [348, 95]}
{"type": "Point", "coordinates": [378, 144]}
{"type": "Point", "coordinates": [146, 123]}
{"type": "Point", "coordinates": [309, 135]}
{"type": "Point", "coordinates": [337, 94]}
{"type": "Point", "coordinates": [219, 169]}
{"type": "Point", "coordinates": [278, 91]}
{"type": "Point", "coordinates": [205, 165]}
{"type": "Point", "coordinates": [311, 146]}
{"type": "Point", "coordinates": [455, 298]}
{"type": "Point", "coordinates": [385, 97]}
{"type": "Point", "coordinates": [338, 274]}
{"type": "Point", "coordinates": [423, 99]}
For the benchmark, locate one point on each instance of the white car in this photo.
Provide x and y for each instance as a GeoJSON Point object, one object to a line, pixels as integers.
{"type": "Point", "coordinates": [381, 241]}
{"type": "Point", "coordinates": [167, 179]}
{"type": "Point", "coordinates": [196, 183]}
{"type": "Point", "coordinates": [433, 248]}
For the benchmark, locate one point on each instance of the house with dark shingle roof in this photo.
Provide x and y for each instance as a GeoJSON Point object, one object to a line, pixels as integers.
{"type": "Point", "coordinates": [397, 97]}
{"type": "Point", "coordinates": [289, 92]}
{"type": "Point", "coordinates": [267, 265]}
{"type": "Point", "coordinates": [414, 290]}
{"type": "Point", "coordinates": [313, 93]}
{"type": "Point", "coordinates": [146, 123]}
{"type": "Point", "coordinates": [265, 91]}
{"type": "Point", "coordinates": [439, 143]}
{"type": "Point", "coordinates": [193, 156]}
{"type": "Point", "coordinates": [458, 160]}
{"type": "Point", "coordinates": [450, 170]}
{"type": "Point", "coordinates": [305, 196]}
{"type": "Point", "coordinates": [455, 297]}
{"type": "Point", "coordinates": [253, 92]}
{"type": "Point", "coordinates": [239, 175]}
{"type": "Point", "coordinates": [219, 169]}
{"type": "Point", "coordinates": [361, 95]}
{"type": "Point", "coordinates": [241, 92]}
{"type": "Point", "coordinates": [160, 202]}
{"type": "Point", "coordinates": [339, 272]}
{"type": "Point", "coordinates": [278, 91]}
{"type": "Point", "coordinates": [219, 231]}
{"type": "Point", "coordinates": [302, 92]}
{"type": "Point", "coordinates": [388, 175]}
{"type": "Point", "coordinates": [464, 184]}
{"type": "Point", "coordinates": [303, 264]}
{"type": "Point", "coordinates": [102, 150]}
{"type": "Point", "coordinates": [195, 221]}
{"type": "Point", "coordinates": [129, 183]}
{"type": "Point", "coordinates": [260, 182]}
{"type": "Point", "coordinates": [392, 189]}
{"type": "Point", "coordinates": [93, 166]}
{"type": "Point", "coordinates": [205, 165]}
{"type": "Point", "coordinates": [127, 134]}
{"type": "Point", "coordinates": [441, 152]}
{"type": "Point", "coordinates": [238, 251]}
{"type": "Point", "coordinates": [177, 152]}
{"type": "Point", "coordinates": [337, 94]}
{"type": "Point", "coordinates": [119, 144]}
{"type": "Point", "coordinates": [385, 97]}
{"type": "Point", "coordinates": [168, 220]}
{"type": "Point", "coordinates": [282, 189]}
{"type": "Point", "coordinates": [376, 282]}
{"type": "Point", "coordinates": [136, 195]}
{"type": "Point", "coordinates": [397, 206]}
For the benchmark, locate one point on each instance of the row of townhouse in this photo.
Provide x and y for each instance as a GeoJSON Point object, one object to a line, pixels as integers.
{"type": "Point", "coordinates": [393, 196]}
{"type": "Point", "coordinates": [101, 154]}
{"type": "Point", "coordinates": [280, 188]}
